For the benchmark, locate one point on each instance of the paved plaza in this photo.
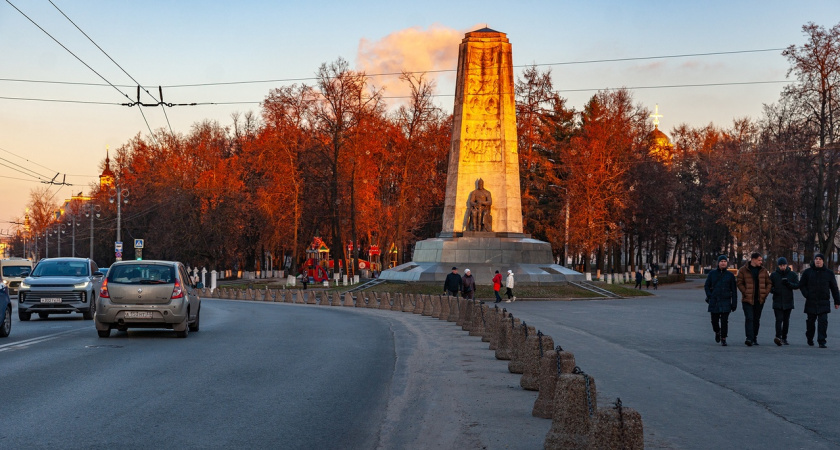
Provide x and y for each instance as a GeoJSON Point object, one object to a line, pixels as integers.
{"type": "Point", "coordinates": [659, 356]}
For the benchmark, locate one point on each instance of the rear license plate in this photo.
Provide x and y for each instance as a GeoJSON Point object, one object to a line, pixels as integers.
{"type": "Point", "coordinates": [138, 315]}
{"type": "Point", "coordinates": [50, 300]}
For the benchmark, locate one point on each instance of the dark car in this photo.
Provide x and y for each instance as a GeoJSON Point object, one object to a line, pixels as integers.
{"type": "Point", "coordinates": [60, 286]}
{"type": "Point", "coordinates": [5, 311]}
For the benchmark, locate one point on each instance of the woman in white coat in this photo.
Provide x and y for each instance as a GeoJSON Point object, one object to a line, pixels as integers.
{"type": "Point", "coordinates": [509, 287]}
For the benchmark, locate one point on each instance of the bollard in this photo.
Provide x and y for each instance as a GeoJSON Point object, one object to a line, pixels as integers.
{"type": "Point", "coordinates": [479, 324]}
{"type": "Point", "coordinates": [497, 319]}
{"type": "Point", "coordinates": [287, 296]}
{"type": "Point", "coordinates": [348, 299]}
{"type": "Point", "coordinates": [418, 304]}
{"type": "Point", "coordinates": [453, 309]}
{"type": "Point", "coordinates": [372, 300]}
{"type": "Point", "coordinates": [575, 403]}
{"type": "Point", "coordinates": [617, 427]}
{"type": "Point", "coordinates": [427, 305]}
{"type": "Point", "coordinates": [436, 306]}
{"type": "Point", "coordinates": [336, 299]}
{"type": "Point", "coordinates": [535, 350]}
{"type": "Point", "coordinates": [444, 307]}
{"type": "Point", "coordinates": [466, 317]}
{"type": "Point", "coordinates": [361, 301]}
{"type": "Point", "coordinates": [324, 299]}
{"type": "Point", "coordinates": [407, 302]}
{"type": "Point", "coordinates": [385, 301]}
{"type": "Point", "coordinates": [554, 363]}
{"type": "Point", "coordinates": [518, 350]}
{"type": "Point", "coordinates": [504, 350]}
{"type": "Point", "coordinates": [299, 296]}
{"type": "Point", "coordinates": [310, 299]}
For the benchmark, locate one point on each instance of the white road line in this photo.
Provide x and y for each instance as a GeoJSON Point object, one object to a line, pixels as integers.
{"type": "Point", "coordinates": [36, 340]}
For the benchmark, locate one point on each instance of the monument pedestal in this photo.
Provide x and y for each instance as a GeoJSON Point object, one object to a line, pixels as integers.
{"type": "Point", "coordinates": [483, 253]}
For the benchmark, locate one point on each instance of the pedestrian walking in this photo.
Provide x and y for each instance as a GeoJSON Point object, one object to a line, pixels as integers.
{"type": "Point", "coordinates": [818, 285]}
{"type": "Point", "coordinates": [784, 282]}
{"type": "Point", "coordinates": [754, 283]}
{"type": "Point", "coordinates": [509, 287]}
{"type": "Point", "coordinates": [497, 285]}
{"type": "Point", "coordinates": [722, 297]}
{"type": "Point", "coordinates": [452, 284]}
{"type": "Point", "coordinates": [648, 277]}
{"type": "Point", "coordinates": [639, 279]}
{"type": "Point", "coordinates": [655, 282]}
{"type": "Point", "coordinates": [468, 285]}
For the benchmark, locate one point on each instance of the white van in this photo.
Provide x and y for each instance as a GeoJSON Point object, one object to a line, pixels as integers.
{"type": "Point", "coordinates": [14, 270]}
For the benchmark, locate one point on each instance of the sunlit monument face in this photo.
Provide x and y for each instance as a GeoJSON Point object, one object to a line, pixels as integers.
{"type": "Point", "coordinates": [484, 134]}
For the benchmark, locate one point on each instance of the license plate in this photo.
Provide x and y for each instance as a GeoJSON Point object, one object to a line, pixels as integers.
{"type": "Point", "coordinates": [50, 300]}
{"type": "Point", "coordinates": [138, 315]}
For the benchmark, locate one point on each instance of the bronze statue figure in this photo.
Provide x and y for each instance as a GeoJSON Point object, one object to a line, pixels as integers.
{"type": "Point", "coordinates": [479, 205]}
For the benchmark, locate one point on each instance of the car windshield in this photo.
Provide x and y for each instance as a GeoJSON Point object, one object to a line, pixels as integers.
{"type": "Point", "coordinates": [141, 274]}
{"type": "Point", "coordinates": [15, 271]}
{"type": "Point", "coordinates": [61, 269]}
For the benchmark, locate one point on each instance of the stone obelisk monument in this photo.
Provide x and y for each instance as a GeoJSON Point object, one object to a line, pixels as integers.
{"type": "Point", "coordinates": [482, 216]}
{"type": "Point", "coordinates": [484, 135]}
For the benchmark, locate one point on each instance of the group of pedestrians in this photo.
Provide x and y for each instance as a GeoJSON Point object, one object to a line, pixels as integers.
{"type": "Point", "coordinates": [455, 284]}
{"type": "Point", "coordinates": [649, 276]}
{"type": "Point", "coordinates": [818, 285]}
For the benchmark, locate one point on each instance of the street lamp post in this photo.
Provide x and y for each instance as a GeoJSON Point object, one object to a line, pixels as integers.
{"type": "Point", "coordinates": [121, 197]}
{"type": "Point", "coordinates": [59, 230]}
{"type": "Point", "coordinates": [91, 210]}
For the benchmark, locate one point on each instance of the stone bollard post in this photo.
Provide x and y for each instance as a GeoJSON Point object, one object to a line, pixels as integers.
{"type": "Point", "coordinates": [310, 299]}
{"type": "Point", "coordinates": [372, 300]}
{"type": "Point", "coordinates": [575, 404]}
{"type": "Point", "coordinates": [479, 324]}
{"type": "Point", "coordinates": [552, 365]}
{"type": "Point", "coordinates": [336, 299]}
{"type": "Point", "coordinates": [436, 306]}
{"type": "Point", "coordinates": [427, 305]}
{"type": "Point", "coordinates": [617, 427]}
{"type": "Point", "coordinates": [299, 296]}
{"type": "Point", "coordinates": [454, 310]}
{"type": "Point", "coordinates": [444, 308]}
{"type": "Point", "coordinates": [499, 320]}
{"type": "Point", "coordinates": [287, 296]}
{"type": "Point", "coordinates": [418, 303]}
{"type": "Point", "coordinates": [505, 349]}
{"type": "Point", "coordinates": [407, 302]}
{"type": "Point", "coordinates": [466, 317]}
{"type": "Point", "coordinates": [361, 299]}
{"type": "Point", "coordinates": [535, 349]}
{"type": "Point", "coordinates": [348, 299]}
{"type": "Point", "coordinates": [518, 350]}
{"type": "Point", "coordinates": [385, 301]}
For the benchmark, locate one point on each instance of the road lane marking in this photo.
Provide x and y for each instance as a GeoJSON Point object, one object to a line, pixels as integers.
{"type": "Point", "coordinates": [36, 340]}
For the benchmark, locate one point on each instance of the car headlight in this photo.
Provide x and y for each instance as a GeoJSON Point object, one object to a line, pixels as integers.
{"type": "Point", "coordinates": [24, 285]}
{"type": "Point", "coordinates": [82, 285]}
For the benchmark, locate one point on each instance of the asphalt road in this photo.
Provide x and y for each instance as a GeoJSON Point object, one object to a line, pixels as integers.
{"type": "Point", "coordinates": [261, 375]}
{"type": "Point", "coordinates": [659, 356]}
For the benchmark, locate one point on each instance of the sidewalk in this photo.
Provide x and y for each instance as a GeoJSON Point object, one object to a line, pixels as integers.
{"type": "Point", "coordinates": [659, 356]}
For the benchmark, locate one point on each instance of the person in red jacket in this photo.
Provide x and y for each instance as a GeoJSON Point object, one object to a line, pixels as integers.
{"type": "Point", "coordinates": [497, 284]}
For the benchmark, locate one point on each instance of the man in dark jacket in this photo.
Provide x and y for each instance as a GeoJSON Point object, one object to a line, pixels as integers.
{"type": "Point", "coordinates": [754, 283]}
{"type": "Point", "coordinates": [818, 285]}
{"type": "Point", "coordinates": [452, 285]}
{"type": "Point", "coordinates": [722, 297]}
{"type": "Point", "coordinates": [639, 279]}
{"type": "Point", "coordinates": [784, 281]}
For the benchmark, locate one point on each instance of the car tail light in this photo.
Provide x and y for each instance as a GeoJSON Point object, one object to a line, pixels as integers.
{"type": "Point", "coordinates": [103, 291]}
{"type": "Point", "coordinates": [177, 292]}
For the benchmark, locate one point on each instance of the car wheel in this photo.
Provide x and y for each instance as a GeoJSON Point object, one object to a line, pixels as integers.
{"type": "Point", "coordinates": [88, 315]}
{"type": "Point", "coordinates": [6, 327]}
{"type": "Point", "coordinates": [43, 315]}
{"type": "Point", "coordinates": [186, 332]}
{"type": "Point", "coordinates": [104, 333]}
{"type": "Point", "coordinates": [194, 326]}
{"type": "Point", "coordinates": [24, 316]}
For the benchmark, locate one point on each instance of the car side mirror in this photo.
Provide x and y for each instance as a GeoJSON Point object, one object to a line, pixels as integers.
{"type": "Point", "coordinates": [199, 285]}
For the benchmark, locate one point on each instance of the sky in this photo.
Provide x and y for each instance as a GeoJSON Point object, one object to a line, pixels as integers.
{"type": "Point", "coordinates": [176, 43]}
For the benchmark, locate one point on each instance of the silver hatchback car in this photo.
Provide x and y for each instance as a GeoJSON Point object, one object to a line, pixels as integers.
{"type": "Point", "coordinates": [148, 294]}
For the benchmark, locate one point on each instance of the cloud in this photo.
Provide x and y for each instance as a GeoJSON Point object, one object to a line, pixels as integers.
{"type": "Point", "coordinates": [411, 49]}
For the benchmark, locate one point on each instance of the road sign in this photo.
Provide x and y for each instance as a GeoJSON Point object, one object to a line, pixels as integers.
{"type": "Point", "coordinates": [138, 243]}
{"type": "Point", "coordinates": [118, 246]}
{"type": "Point", "coordinates": [138, 254]}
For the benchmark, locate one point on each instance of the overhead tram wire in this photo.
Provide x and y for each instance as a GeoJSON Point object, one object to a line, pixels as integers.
{"type": "Point", "coordinates": [24, 168]}
{"type": "Point", "coordinates": [80, 60]}
{"type": "Point", "coordinates": [118, 65]}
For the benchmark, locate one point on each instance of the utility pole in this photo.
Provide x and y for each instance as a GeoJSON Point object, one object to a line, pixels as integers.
{"type": "Point", "coordinates": [121, 197]}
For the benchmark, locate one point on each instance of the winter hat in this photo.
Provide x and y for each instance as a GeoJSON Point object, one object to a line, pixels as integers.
{"type": "Point", "coordinates": [820, 256]}
{"type": "Point", "coordinates": [466, 270]}
{"type": "Point", "coordinates": [454, 268]}
{"type": "Point", "coordinates": [781, 261]}
{"type": "Point", "coordinates": [722, 258]}
{"type": "Point", "coordinates": [510, 272]}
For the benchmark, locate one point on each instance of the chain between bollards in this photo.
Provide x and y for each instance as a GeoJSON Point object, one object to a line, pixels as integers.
{"type": "Point", "coordinates": [539, 336]}
{"type": "Point", "coordinates": [525, 326]}
{"type": "Point", "coordinates": [579, 371]}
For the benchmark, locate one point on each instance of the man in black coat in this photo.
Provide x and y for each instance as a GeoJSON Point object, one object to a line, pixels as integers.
{"type": "Point", "coordinates": [722, 297]}
{"type": "Point", "coordinates": [818, 285]}
{"type": "Point", "coordinates": [452, 285]}
{"type": "Point", "coordinates": [784, 282]}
